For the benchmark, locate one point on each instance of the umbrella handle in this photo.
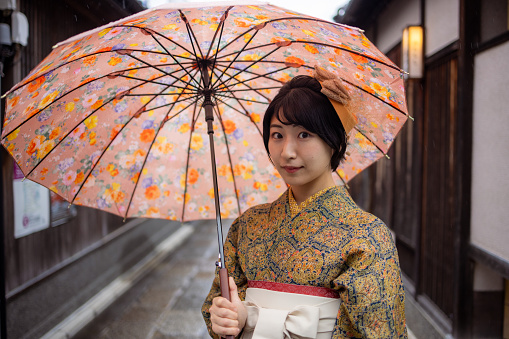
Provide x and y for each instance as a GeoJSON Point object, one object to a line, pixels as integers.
{"type": "Point", "coordinates": [223, 283]}
{"type": "Point", "coordinates": [225, 289]}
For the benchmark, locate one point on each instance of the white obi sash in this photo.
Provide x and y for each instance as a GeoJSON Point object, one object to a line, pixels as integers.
{"type": "Point", "coordinates": [281, 311]}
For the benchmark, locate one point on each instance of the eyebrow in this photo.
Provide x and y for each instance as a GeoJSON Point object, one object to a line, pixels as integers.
{"type": "Point", "coordinates": [276, 125]}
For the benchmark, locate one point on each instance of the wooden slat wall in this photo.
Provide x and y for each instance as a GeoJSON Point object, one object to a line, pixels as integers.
{"type": "Point", "coordinates": [30, 257]}
{"type": "Point", "coordinates": [437, 266]}
{"type": "Point", "coordinates": [391, 188]}
{"type": "Point", "coordinates": [413, 192]}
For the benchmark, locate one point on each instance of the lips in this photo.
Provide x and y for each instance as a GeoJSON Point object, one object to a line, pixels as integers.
{"type": "Point", "coordinates": [291, 169]}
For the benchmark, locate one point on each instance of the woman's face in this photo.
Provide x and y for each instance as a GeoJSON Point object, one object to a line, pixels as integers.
{"type": "Point", "coordinates": [301, 157]}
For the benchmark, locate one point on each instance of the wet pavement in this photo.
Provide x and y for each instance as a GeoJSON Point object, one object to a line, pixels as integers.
{"type": "Point", "coordinates": [166, 302]}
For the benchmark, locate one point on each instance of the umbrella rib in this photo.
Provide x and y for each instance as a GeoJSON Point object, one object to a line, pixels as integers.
{"type": "Point", "coordinates": [252, 64]}
{"type": "Point", "coordinates": [223, 18]}
{"type": "Point", "coordinates": [161, 94]}
{"type": "Point", "coordinates": [236, 109]}
{"type": "Point", "coordinates": [195, 118]}
{"type": "Point", "coordinates": [257, 90]}
{"type": "Point", "coordinates": [141, 170]}
{"type": "Point", "coordinates": [252, 89]}
{"type": "Point", "coordinates": [146, 157]}
{"type": "Point", "coordinates": [342, 180]}
{"type": "Point", "coordinates": [234, 97]}
{"type": "Point", "coordinates": [154, 67]}
{"type": "Point", "coordinates": [234, 59]}
{"type": "Point", "coordinates": [371, 141]}
{"type": "Point", "coordinates": [99, 159]}
{"type": "Point", "coordinates": [229, 158]}
{"type": "Point", "coordinates": [242, 113]}
{"type": "Point", "coordinates": [247, 49]}
{"type": "Point", "coordinates": [151, 81]}
{"type": "Point", "coordinates": [174, 102]}
{"type": "Point", "coordinates": [152, 32]}
{"type": "Point", "coordinates": [258, 76]}
{"type": "Point", "coordinates": [225, 86]}
{"type": "Point", "coordinates": [239, 99]}
{"type": "Point", "coordinates": [190, 32]}
{"type": "Point", "coordinates": [171, 55]}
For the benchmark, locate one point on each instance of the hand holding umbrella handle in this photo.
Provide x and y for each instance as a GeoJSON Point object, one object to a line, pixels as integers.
{"type": "Point", "coordinates": [225, 288]}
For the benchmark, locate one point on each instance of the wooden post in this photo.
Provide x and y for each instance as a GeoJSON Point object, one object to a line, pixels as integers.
{"type": "Point", "coordinates": [463, 280]}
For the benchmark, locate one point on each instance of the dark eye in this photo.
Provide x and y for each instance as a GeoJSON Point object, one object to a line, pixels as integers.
{"type": "Point", "coordinates": [276, 135]}
{"type": "Point", "coordinates": [304, 135]}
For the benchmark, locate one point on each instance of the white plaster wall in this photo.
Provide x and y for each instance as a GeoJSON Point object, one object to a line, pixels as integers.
{"type": "Point", "coordinates": [485, 279]}
{"type": "Point", "coordinates": [442, 24]}
{"type": "Point", "coordinates": [398, 15]}
{"type": "Point", "coordinates": [490, 158]}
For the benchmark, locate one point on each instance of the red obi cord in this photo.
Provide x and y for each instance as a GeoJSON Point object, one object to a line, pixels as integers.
{"type": "Point", "coordinates": [291, 288]}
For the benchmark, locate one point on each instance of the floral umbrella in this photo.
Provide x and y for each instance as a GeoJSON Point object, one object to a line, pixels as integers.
{"type": "Point", "coordinates": [114, 118]}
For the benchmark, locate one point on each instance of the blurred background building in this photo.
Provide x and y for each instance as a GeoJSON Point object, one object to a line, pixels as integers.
{"type": "Point", "coordinates": [445, 190]}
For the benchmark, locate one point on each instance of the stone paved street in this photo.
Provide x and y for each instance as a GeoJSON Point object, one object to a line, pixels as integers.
{"type": "Point", "coordinates": [166, 302]}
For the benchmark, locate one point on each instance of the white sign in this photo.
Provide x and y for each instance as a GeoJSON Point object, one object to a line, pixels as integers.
{"type": "Point", "coordinates": [31, 208]}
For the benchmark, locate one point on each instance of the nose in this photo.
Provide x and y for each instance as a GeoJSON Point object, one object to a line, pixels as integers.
{"type": "Point", "coordinates": [289, 150]}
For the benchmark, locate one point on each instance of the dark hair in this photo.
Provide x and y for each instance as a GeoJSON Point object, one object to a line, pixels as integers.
{"type": "Point", "coordinates": [300, 102]}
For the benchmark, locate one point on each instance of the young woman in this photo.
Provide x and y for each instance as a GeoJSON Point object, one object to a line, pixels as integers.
{"type": "Point", "coordinates": [311, 264]}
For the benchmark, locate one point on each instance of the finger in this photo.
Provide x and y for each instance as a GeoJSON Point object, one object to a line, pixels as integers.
{"type": "Point", "coordinates": [224, 331]}
{"type": "Point", "coordinates": [234, 293]}
{"type": "Point", "coordinates": [221, 312]}
{"type": "Point", "coordinates": [221, 302]}
{"type": "Point", "coordinates": [223, 322]}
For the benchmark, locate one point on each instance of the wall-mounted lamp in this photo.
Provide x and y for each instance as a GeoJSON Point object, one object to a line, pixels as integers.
{"type": "Point", "coordinates": [412, 51]}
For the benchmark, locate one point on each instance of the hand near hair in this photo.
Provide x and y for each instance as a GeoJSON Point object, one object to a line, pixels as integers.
{"type": "Point", "coordinates": [228, 318]}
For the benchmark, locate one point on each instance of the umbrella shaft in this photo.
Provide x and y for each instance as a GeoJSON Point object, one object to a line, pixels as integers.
{"type": "Point", "coordinates": [216, 189]}
{"type": "Point", "coordinates": [209, 117]}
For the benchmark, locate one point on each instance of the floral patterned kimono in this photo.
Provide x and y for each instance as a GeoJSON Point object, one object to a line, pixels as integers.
{"type": "Point", "coordinates": [327, 242]}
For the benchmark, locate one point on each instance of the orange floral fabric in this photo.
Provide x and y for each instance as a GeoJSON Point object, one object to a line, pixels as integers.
{"type": "Point", "coordinates": [330, 243]}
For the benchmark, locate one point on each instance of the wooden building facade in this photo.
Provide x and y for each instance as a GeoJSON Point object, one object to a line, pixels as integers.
{"type": "Point", "coordinates": [449, 215]}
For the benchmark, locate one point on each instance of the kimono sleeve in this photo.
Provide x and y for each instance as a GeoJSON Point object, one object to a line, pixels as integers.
{"type": "Point", "coordinates": [370, 286]}
{"type": "Point", "coordinates": [234, 270]}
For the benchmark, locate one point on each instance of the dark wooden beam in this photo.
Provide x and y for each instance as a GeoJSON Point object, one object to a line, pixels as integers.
{"type": "Point", "coordinates": [490, 260]}
{"type": "Point", "coordinates": [463, 270]}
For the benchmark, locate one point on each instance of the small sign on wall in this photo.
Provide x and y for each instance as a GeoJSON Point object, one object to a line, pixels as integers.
{"type": "Point", "coordinates": [31, 206]}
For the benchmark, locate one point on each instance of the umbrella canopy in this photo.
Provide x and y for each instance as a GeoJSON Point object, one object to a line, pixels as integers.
{"type": "Point", "coordinates": [114, 119]}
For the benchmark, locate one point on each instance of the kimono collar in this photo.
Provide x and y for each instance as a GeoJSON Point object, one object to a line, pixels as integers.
{"type": "Point", "coordinates": [295, 208]}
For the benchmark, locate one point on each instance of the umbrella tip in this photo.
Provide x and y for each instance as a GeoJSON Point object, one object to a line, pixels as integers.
{"type": "Point", "coordinates": [411, 117]}
{"type": "Point", "coordinates": [4, 95]}
{"type": "Point", "coordinates": [69, 206]}
{"type": "Point", "coordinates": [387, 156]}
